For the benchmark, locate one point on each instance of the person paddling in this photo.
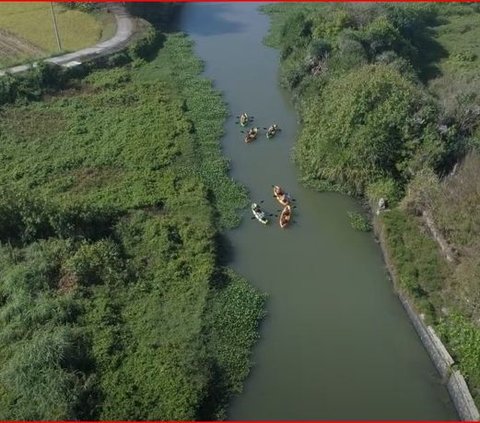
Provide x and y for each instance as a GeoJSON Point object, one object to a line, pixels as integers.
{"type": "Point", "coordinates": [243, 119]}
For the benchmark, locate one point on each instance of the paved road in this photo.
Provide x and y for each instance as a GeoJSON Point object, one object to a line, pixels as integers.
{"type": "Point", "coordinates": [116, 43]}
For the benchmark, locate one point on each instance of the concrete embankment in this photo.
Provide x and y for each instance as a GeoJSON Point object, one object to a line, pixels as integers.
{"type": "Point", "coordinates": [443, 361]}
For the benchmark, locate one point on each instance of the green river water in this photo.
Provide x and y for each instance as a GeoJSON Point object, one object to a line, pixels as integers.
{"type": "Point", "coordinates": [336, 343]}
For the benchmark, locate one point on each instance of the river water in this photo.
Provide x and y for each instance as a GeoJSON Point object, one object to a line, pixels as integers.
{"type": "Point", "coordinates": [337, 343]}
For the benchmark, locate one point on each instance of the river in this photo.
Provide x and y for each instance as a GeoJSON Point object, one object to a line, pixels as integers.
{"type": "Point", "coordinates": [337, 343]}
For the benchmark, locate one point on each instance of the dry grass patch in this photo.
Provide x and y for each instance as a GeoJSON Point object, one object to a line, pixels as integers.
{"type": "Point", "coordinates": [93, 177]}
{"type": "Point", "coordinates": [25, 123]}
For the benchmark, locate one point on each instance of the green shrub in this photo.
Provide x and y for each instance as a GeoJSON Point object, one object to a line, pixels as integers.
{"type": "Point", "coordinates": [40, 385]}
{"type": "Point", "coordinates": [385, 188]}
{"type": "Point", "coordinates": [374, 124]}
{"type": "Point", "coordinates": [95, 263]}
{"type": "Point", "coordinates": [359, 222]}
{"type": "Point", "coordinates": [148, 45]}
{"type": "Point", "coordinates": [463, 340]}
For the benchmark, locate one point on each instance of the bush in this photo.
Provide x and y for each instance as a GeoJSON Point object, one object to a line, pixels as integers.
{"type": "Point", "coordinates": [330, 26]}
{"type": "Point", "coordinates": [148, 45]}
{"type": "Point", "coordinates": [368, 125]}
{"type": "Point", "coordinates": [349, 53]}
{"type": "Point", "coordinates": [31, 85]}
{"type": "Point", "coordinates": [359, 222]}
{"type": "Point", "coordinates": [319, 48]}
{"type": "Point", "coordinates": [82, 6]}
{"type": "Point", "coordinates": [463, 339]}
{"type": "Point", "coordinates": [55, 391]}
{"type": "Point", "coordinates": [381, 35]}
{"type": "Point", "coordinates": [96, 263]}
{"type": "Point", "coordinates": [385, 188]}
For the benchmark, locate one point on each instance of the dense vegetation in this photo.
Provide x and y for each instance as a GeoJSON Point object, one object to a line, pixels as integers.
{"type": "Point", "coordinates": [114, 299]}
{"type": "Point", "coordinates": [388, 97]}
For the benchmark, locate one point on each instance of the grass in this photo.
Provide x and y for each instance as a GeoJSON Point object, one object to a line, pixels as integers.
{"type": "Point", "coordinates": [113, 298]}
{"type": "Point", "coordinates": [458, 34]}
{"type": "Point", "coordinates": [32, 24]}
{"type": "Point", "coordinates": [421, 272]}
{"type": "Point", "coordinates": [108, 23]}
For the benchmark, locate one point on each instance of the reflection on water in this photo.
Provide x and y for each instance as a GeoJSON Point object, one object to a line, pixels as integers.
{"type": "Point", "coordinates": [213, 19]}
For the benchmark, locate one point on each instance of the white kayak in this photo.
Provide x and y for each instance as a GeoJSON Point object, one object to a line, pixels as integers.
{"type": "Point", "coordinates": [259, 213]}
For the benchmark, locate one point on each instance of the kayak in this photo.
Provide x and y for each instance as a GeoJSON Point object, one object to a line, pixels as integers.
{"type": "Point", "coordinates": [285, 216]}
{"type": "Point", "coordinates": [272, 131]}
{"type": "Point", "coordinates": [244, 119]}
{"type": "Point", "coordinates": [251, 136]}
{"type": "Point", "coordinates": [259, 213]}
{"type": "Point", "coordinates": [282, 197]}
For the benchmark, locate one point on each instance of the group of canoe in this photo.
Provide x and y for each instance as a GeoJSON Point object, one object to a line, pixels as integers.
{"type": "Point", "coordinates": [285, 200]}
{"type": "Point", "coordinates": [252, 133]}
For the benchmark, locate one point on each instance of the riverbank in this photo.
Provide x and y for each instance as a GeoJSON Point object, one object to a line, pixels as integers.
{"type": "Point", "coordinates": [379, 121]}
{"type": "Point", "coordinates": [114, 288]}
{"type": "Point", "coordinates": [444, 363]}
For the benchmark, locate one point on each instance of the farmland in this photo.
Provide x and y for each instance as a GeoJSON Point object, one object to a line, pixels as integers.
{"type": "Point", "coordinates": [26, 30]}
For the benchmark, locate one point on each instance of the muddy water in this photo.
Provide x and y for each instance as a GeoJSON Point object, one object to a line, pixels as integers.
{"type": "Point", "coordinates": [336, 343]}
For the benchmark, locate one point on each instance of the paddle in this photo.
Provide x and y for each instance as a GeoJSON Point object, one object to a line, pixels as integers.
{"type": "Point", "coordinates": [291, 199]}
{"type": "Point", "coordinates": [293, 207]}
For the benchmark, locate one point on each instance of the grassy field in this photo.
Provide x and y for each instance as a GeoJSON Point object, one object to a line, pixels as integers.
{"type": "Point", "coordinates": [457, 84]}
{"type": "Point", "coordinates": [26, 30]}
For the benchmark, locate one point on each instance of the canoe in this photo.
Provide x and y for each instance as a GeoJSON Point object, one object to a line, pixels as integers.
{"type": "Point", "coordinates": [285, 217]}
{"type": "Point", "coordinates": [251, 137]}
{"type": "Point", "coordinates": [259, 213]}
{"type": "Point", "coordinates": [282, 197]}
{"type": "Point", "coordinates": [244, 120]}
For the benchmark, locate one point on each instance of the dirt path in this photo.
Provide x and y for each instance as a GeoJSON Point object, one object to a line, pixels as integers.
{"type": "Point", "coordinates": [114, 44]}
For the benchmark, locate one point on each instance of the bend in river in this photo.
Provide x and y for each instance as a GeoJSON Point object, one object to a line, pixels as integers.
{"type": "Point", "coordinates": [337, 343]}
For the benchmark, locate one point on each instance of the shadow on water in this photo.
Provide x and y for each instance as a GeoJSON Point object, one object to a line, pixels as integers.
{"type": "Point", "coordinates": [224, 249]}
{"type": "Point", "coordinates": [212, 19]}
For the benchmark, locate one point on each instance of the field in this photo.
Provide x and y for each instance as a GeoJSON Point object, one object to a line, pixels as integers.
{"type": "Point", "coordinates": [26, 30]}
